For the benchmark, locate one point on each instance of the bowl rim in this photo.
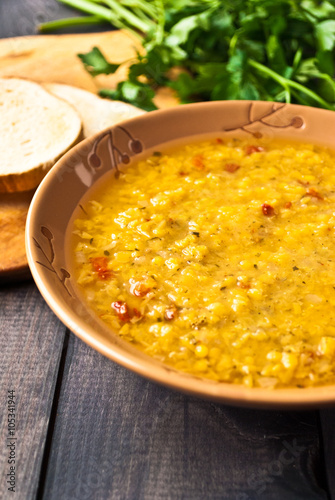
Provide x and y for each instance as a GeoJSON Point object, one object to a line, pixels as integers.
{"type": "Point", "coordinates": [144, 365]}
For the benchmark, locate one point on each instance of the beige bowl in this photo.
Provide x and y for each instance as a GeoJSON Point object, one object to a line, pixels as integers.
{"type": "Point", "coordinates": [76, 172]}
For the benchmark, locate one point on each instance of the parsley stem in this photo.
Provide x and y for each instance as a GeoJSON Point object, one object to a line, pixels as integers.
{"type": "Point", "coordinates": [286, 84]}
{"type": "Point", "coordinates": [90, 7]}
{"type": "Point", "coordinates": [68, 22]}
{"type": "Point", "coordinates": [128, 16]}
{"type": "Point", "coordinates": [299, 98]}
{"type": "Point", "coordinates": [310, 93]}
{"type": "Point", "coordinates": [287, 96]}
{"type": "Point", "coordinates": [107, 14]}
{"type": "Point", "coordinates": [144, 7]}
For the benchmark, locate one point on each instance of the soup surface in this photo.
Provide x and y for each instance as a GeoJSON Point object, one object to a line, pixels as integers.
{"type": "Point", "coordinates": [218, 258]}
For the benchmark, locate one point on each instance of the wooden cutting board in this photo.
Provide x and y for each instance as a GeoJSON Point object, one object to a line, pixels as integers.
{"type": "Point", "coordinates": [53, 58]}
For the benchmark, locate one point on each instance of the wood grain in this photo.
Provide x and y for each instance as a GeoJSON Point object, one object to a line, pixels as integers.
{"type": "Point", "coordinates": [53, 58]}
{"type": "Point", "coordinates": [13, 214]}
{"type": "Point", "coordinates": [22, 17]}
{"type": "Point", "coordinates": [30, 347]}
{"type": "Point", "coordinates": [327, 420]}
{"type": "Point", "coordinates": [118, 436]}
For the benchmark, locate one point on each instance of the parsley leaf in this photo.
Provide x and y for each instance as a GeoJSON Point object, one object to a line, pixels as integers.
{"type": "Point", "coordinates": [96, 64]}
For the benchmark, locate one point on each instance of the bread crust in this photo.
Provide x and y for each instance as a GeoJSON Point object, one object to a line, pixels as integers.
{"type": "Point", "coordinates": [64, 121]}
{"type": "Point", "coordinates": [96, 113]}
{"type": "Point", "coordinates": [25, 181]}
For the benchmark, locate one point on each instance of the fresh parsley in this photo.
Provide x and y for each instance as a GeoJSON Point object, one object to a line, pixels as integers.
{"type": "Point", "coordinates": [279, 50]}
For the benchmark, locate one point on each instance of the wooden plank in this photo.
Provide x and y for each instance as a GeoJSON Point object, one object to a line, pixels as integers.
{"type": "Point", "coordinates": [327, 419]}
{"type": "Point", "coordinates": [30, 348]}
{"type": "Point", "coordinates": [119, 436]}
{"type": "Point", "coordinates": [53, 58]}
{"type": "Point", "coordinates": [13, 214]}
{"type": "Point", "coordinates": [23, 16]}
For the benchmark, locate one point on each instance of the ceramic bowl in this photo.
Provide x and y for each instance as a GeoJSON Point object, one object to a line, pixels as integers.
{"type": "Point", "coordinates": [76, 172]}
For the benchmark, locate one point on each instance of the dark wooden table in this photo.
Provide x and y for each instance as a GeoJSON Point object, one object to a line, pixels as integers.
{"type": "Point", "coordinates": [86, 428]}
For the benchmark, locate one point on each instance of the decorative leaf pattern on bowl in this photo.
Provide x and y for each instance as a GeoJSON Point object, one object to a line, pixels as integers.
{"type": "Point", "coordinates": [49, 256]}
{"type": "Point", "coordinates": [117, 156]}
{"type": "Point", "coordinates": [295, 122]}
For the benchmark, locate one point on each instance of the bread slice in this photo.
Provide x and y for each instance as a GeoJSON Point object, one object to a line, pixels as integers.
{"type": "Point", "coordinates": [36, 128]}
{"type": "Point", "coordinates": [96, 113]}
